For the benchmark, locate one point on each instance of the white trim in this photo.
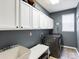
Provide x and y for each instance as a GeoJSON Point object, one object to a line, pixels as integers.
{"type": "Point", "coordinates": [77, 51]}
{"type": "Point", "coordinates": [71, 48]}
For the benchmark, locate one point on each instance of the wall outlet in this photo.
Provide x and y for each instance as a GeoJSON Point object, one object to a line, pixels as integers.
{"type": "Point", "coordinates": [41, 34]}
{"type": "Point", "coordinates": [30, 33]}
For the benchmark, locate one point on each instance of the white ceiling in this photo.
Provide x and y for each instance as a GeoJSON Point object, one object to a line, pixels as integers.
{"type": "Point", "coordinates": [62, 5]}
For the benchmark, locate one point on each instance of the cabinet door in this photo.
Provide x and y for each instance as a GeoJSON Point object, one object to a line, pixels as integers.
{"type": "Point", "coordinates": [25, 16]}
{"type": "Point", "coordinates": [43, 21]}
{"type": "Point", "coordinates": [7, 14]}
{"type": "Point", "coordinates": [50, 23]}
{"type": "Point", "coordinates": [36, 19]}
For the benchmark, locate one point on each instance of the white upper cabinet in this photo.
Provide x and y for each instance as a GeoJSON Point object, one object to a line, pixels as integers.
{"type": "Point", "coordinates": [17, 14]}
{"type": "Point", "coordinates": [36, 19]}
{"type": "Point", "coordinates": [50, 23]}
{"type": "Point", "coordinates": [25, 19]}
{"type": "Point", "coordinates": [45, 21]}
{"type": "Point", "coordinates": [31, 18]}
{"type": "Point", "coordinates": [8, 14]}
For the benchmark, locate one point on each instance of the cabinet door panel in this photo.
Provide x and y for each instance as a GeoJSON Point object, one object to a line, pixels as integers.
{"type": "Point", "coordinates": [43, 21]}
{"type": "Point", "coordinates": [7, 14]}
{"type": "Point", "coordinates": [50, 23]}
{"type": "Point", "coordinates": [25, 16]}
{"type": "Point", "coordinates": [36, 19]}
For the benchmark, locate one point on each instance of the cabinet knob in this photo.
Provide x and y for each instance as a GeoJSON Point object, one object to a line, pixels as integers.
{"type": "Point", "coordinates": [17, 27]}
{"type": "Point", "coordinates": [21, 26]}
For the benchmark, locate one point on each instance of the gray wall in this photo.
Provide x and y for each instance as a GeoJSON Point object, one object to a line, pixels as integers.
{"type": "Point", "coordinates": [77, 24]}
{"type": "Point", "coordinates": [22, 37]}
{"type": "Point", "coordinates": [69, 38]}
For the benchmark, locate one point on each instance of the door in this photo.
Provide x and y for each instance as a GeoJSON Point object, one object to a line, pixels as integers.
{"type": "Point", "coordinates": [7, 14]}
{"type": "Point", "coordinates": [25, 21]}
{"type": "Point", "coordinates": [36, 19]}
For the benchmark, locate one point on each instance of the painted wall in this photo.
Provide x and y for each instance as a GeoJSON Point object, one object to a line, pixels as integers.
{"type": "Point", "coordinates": [77, 24]}
{"type": "Point", "coordinates": [69, 38]}
{"type": "Point", "coordinates": [22, 37]}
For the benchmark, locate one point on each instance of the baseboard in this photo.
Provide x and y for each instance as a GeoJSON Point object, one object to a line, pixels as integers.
{"type": "Point", "coordinates": [72, 48]}
{"type": "Point", "coordinates": [69, 47]}
{"type": "Point", "coordinates": [77, 51]}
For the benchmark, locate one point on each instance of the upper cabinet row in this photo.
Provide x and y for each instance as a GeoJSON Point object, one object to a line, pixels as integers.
{"type": "Point", "coordinates": [16, 14]}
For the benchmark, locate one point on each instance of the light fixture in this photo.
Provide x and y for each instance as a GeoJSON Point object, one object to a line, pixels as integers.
{"type": "Point", "coordinates": [54, 1]}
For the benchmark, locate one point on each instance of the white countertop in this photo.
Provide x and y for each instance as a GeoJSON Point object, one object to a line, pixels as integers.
{"type": "Point", "coordinates": [37, 51]}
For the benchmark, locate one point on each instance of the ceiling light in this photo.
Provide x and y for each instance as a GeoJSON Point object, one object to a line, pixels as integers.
{"type": "Point", "coordinates": [54, 1]}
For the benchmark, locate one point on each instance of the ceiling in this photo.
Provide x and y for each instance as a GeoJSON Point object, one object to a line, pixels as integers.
{"type": "Point", "coordinates": [62, 5]}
